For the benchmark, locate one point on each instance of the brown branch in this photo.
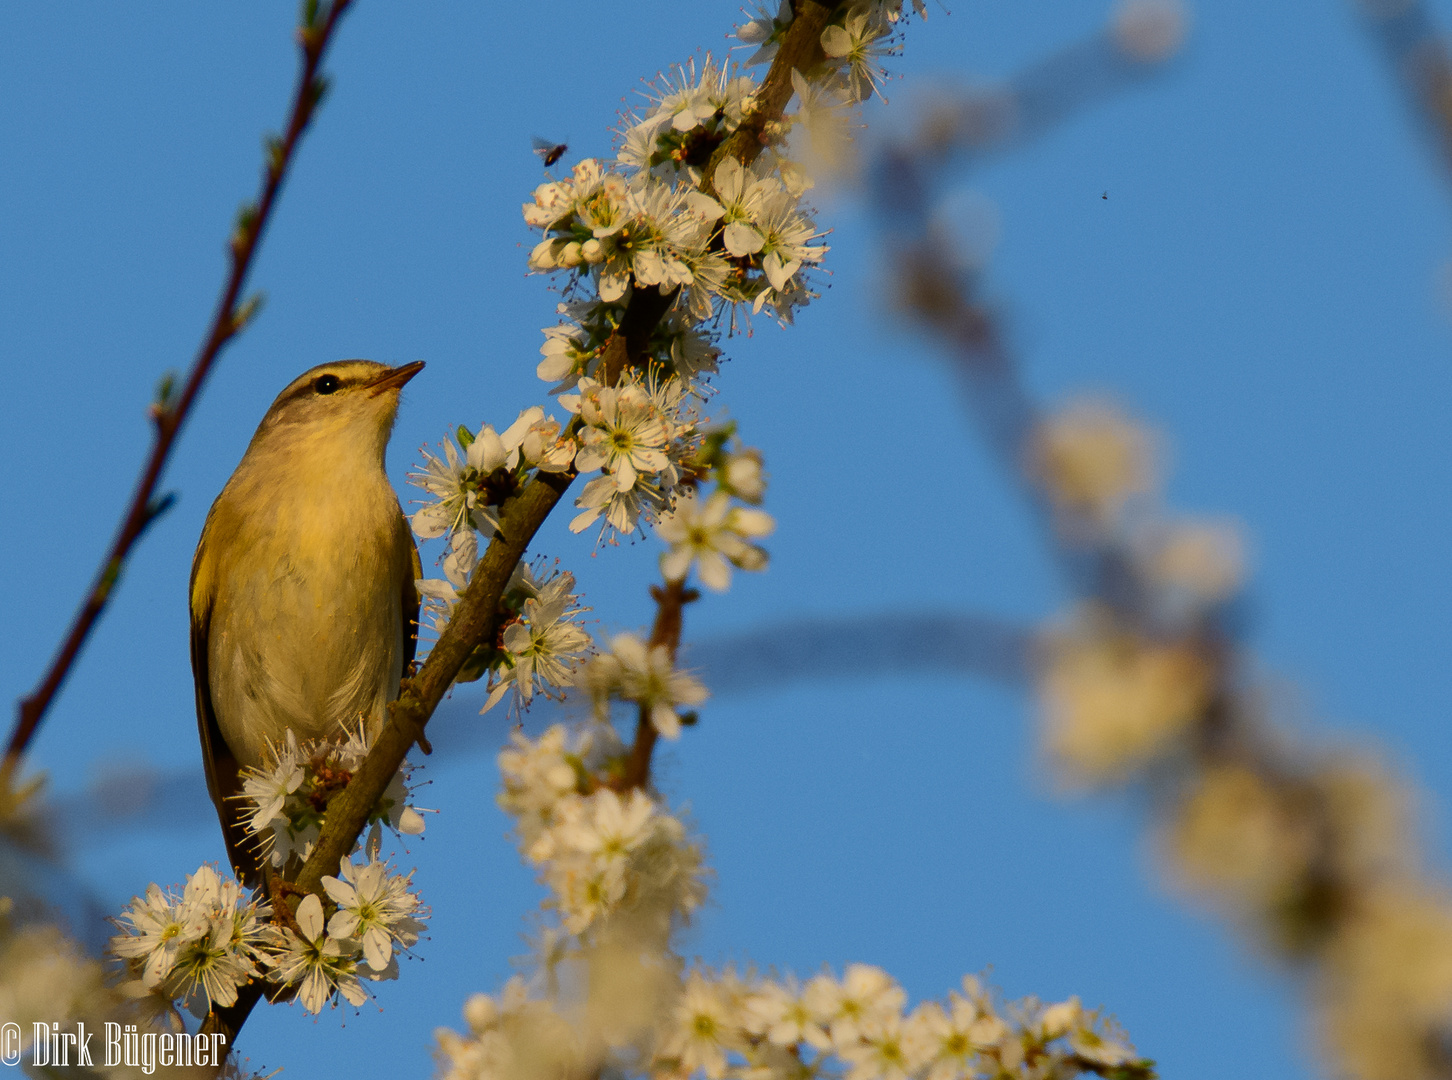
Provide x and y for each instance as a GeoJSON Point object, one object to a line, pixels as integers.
{"type": "Point", "coordinates": [475, 619]}
{"type": "Point", "coordinates": [227, 322]}
{"type": "Point", "coordinates": [800, 50]}
{"type": "Point", "coordinates": [670, 602]}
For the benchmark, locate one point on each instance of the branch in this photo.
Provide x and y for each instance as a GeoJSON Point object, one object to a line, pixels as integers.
{"type": "Point", "coordinates": [169, 415]}
{"type": "Point", "coordinates": [670, 602]}
{"type": "Point", "coordinates": [475, 620]}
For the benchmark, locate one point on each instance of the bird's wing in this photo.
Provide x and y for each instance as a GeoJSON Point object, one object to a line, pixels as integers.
{"type": "Point", "coordinates": [410, 598]}
{"type": "Point", "coordinates": [224, 782]}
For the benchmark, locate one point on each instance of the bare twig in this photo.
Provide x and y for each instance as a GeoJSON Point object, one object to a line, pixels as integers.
{"type": "Point", "coordinates": [169, 414]}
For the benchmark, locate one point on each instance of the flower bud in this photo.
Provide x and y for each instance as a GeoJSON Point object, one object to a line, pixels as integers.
{"type": "Point", "coordinates": [592, 250]}
{"type": "Point", "coordinates": [480, 1012]}
{"type": "Point", "coordinates": [543, 256]}
{"type": "Point", "coordinates": [571, 256]}
{"type": "Point", "coordinates": [744, 475]}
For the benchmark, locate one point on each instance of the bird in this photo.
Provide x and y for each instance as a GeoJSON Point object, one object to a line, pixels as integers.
{"type": "Point", "coordinates": [304, 611]}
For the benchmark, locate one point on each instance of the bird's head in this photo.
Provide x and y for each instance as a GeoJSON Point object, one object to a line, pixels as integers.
{"type": "Point", "coordinates": [349, 401]}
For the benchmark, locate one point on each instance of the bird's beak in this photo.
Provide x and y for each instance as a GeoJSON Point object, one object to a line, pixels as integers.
{"type": "Point", "coordinates": [394, 378]}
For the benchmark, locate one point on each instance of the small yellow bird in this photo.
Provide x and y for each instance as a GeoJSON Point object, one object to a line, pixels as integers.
{"type": "Point", "coordinates": [303, 606]}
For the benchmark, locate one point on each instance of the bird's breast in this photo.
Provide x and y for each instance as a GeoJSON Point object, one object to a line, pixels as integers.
{"type": "Point", "coordinates": [306, 630]}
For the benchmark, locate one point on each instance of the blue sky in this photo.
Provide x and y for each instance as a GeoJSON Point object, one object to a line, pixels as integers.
{"type": "Point", "coordinates": [1261, 284]}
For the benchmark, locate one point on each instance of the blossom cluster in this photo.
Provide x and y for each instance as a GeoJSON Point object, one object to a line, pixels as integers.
{"type": "Point", "coordinates": [748, 243]}
{"type": "Point", "coordinates": [1091, 460]}
{"type": "Point", "coordinates": [856, 41]}
{"type": "Point", "coordinates": [46, 977]}
{"type": "Point", "coordinates": [643, 673]}
{"type": "Point", "coordinates": [513, 1036]}
{"type": "Point", "coordinates": [475, 476]}
{"type": "Point", "coordinates": [539, 641]}
{"type": "Point", "coordinates": [375, 912]}
{"type": "Point", "coordinates": [603, 853]}
{"type": "Point", "coordinates": [287, 800]}
{"type": "Point", "coordinates": [642, 434]}
{"type": "Point", "coordinates": [720, 1026]}
{"type": "Point", "coordinates": [201, 945]}
{"type": "Point", "coordinates": [1308, 849]}
{"type": "Point", "coordinates": [712, 533]}
{"type": "Point", "coordinates": [724, 1026]}
{"type": "Point", "coordinates": [1114, 700]}
{"type": "Point", "coordinates": [196, 947]}
{"type": "Point", "coordinates": [1126, 682]}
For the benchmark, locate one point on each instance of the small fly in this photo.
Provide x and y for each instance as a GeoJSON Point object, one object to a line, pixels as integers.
{"type": "Point", "coordinates": [549, 152]}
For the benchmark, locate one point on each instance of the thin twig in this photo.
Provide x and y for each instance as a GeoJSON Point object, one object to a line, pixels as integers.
{"type": "Point", "coordinates": [475, 618]}
{"type": "Point", "coordinates": [670, 601]}
{"type": "Point", "coordinates": [169, 415]}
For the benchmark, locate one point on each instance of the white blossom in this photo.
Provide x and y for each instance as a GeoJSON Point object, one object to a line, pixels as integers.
{"type": "Point", "coordinates": [858, 44]}
{"type": "Point", "coordinates": [705, 1027]}
{"type": "Point", "coordinates": [780, 1014]}
{"type": "Point", "coordinates": [375, 907]}
{"type": "Point", "coordinates": [198, 947]}
{"type": "Point", "coordinates": [686, 115]}
{"type": "Point", "coordinates": [315, 963]}
{"type": "Point", "coordinates": [743, 194]}
{"type": "Point", "coordinates": [764, 31]}
{"type": "Point", "coordinates": [787, 234]}
{"type": "Point", "coordinates": [625, 436]}
{"type": "Point", "coordinates": [639, 433]}
{"type": "Point", "coordinates": [599, 852]}
{"type": "Point", "coordinates": [284, 797]}
{"type": "Point", "coordinates": [742, 475]}
{"type": "Point", "coordinates": [649, 677]}
{"type": "Point", "coordinates": [866, 995]}
{"type": "Point", "coordinates": [543, 644]}
{"type": "Point", "coordinates": [712, 535]}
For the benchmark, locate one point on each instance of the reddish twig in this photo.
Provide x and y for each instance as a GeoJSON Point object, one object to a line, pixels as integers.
{"type": "Point", "coordinates": [670, 602]}
{"type": "Point", "coordinates": [313, 38]}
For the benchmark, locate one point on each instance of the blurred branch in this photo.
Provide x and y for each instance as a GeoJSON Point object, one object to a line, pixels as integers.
{"type": "Point", "coordinates": [979, 122]}
{"type": "Point", "coordinates": [1416, 49]}
{"type": "Point", "coordinates": [1310, 849]}
{"type": "Point", "coordinates": [875, 645]}
{"type": "Point", "coordinates": [170, 412]}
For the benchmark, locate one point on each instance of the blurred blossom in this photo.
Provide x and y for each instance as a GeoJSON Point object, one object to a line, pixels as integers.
{"type": "Point", "coordinates": [1151, 30]}
{"type": "Point", "coordinates": [1390, 983]}
{"type": "Point", "coordinates": [1236, 838]}
{"type": "Point", "coordinates": [1113, 701]}
{"type": "Point", "coordinates": [822, 128]}
{"type": "Point", "coordinates": [45, 977]}
{"type": "Point", "coordinates": [1370, 818]}
{"type": "Point", "coordinates": [1205, 559]}
{"type": "Point", "coordinates": [513, 1037]}
{"type": "Point", "coordinates": [1091, 460]}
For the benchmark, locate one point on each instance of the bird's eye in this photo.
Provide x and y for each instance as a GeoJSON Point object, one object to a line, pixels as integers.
{"type": "Point", "coordinates": [326, 384]}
